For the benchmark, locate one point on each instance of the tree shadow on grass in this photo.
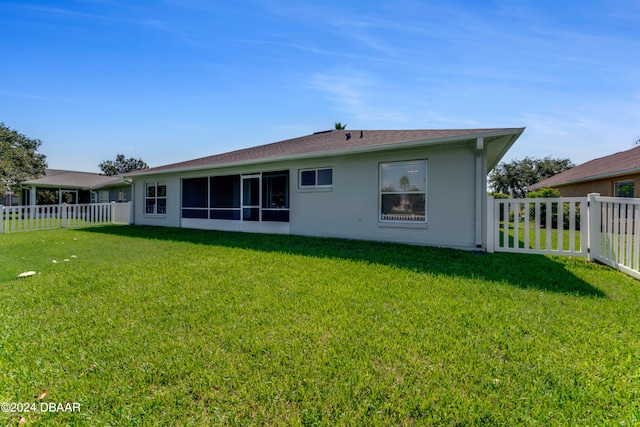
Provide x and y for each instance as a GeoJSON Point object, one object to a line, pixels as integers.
{"type": "Point", "coordinates": [521, 270]}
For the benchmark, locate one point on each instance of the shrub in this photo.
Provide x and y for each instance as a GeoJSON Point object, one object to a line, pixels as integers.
{"type": "Point", "coordinates": [498, 195]}
{"type": "Point", "coordinates": [544, 193]}
{"type": "Point", "coordinates": [566, 208]}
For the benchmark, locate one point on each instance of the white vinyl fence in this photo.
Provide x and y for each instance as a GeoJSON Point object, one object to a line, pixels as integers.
{"type": "Point", "coordinates": [44, 217]}
{"type": "Point", "coordinates": [605, 229]}
{"type": "Point", "coordinates": [615, 233]}
{"type": "Point", "coordinates": [537, 226]}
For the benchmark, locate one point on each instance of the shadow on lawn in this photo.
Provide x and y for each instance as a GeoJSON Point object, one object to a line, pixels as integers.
{"type": "Point", "coordinates": [525, 271]}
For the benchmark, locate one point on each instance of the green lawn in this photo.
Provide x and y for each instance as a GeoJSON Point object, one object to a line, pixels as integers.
{"type": "Point", "coordinates": [552, 242]}
{"type": "Point", "coordinates": [156, 326]}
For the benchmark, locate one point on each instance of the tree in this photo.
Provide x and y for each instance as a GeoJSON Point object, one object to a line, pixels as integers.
{"type": "Point", "coordinates": [19, 158]}
{"type": "Point", "coordinates": [404, 182]}
{"type": "Point", "coordinates": [121, 165]}
{"type": "Point", "coordinates": [515, 177]}
{"type": "Point", "coordinates": [340, 126]}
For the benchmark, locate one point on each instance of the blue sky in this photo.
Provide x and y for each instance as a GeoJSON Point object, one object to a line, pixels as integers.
{"type": "Point", "coordinates": [173, 80]}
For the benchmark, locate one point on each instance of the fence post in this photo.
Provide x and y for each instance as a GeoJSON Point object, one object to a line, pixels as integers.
{"type": "Point", "coordinates": [593, 225]}
{"type": "Point", "coordinates": [63, 213]}
{"type": "Point", "coordinates": [491, 223]}
{"type": "Point", "coordinates": [1, 219]}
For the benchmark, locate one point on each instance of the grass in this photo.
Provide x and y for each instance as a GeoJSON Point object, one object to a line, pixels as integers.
{"type": "Point", "coordinates": [157, 326]}
{"type": "Point", "coordinates": [552, 243]}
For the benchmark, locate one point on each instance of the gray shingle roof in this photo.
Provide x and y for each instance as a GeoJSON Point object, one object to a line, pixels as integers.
{"type": "Point", "coordinates": [331, 142]}
{"type": "Point", "coordinates": [72, 179]}
{"type": "Point", "coordinates": [621, 163]}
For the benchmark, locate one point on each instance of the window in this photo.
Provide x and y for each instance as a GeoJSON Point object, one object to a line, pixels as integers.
{"type": "Point", "coordinates": [403, 191]}
{"type": "Point", "coordinates": [624, 189]}
{"type": "Point", "coordinates": [310, 178]}
{"type": "Point", "coordinates": [155, 200]}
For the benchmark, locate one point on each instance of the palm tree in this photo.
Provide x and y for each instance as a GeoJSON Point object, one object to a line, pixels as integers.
{"type": "Point", "coordinates": [340, 126]}
{"type": "Point", "coordinates": [404, 182]}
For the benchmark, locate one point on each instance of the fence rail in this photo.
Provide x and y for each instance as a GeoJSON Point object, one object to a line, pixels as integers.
{"type": "Point", "coordinates": [44, 217]}
{"type": "Point", "coordinates": [606, 229]}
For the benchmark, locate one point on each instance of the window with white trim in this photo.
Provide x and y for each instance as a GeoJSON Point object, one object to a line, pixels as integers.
{"type": "Point", "coordinates": [316, 178]}
{"type": "Point", "coordinates": [403, 192]}
{"type": "Point", "coordinates": [155, 198]}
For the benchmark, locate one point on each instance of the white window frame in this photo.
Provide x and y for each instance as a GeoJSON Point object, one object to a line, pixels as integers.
{"type": "Point", "coordinates": [155, 197]}
{"type": "Point", "coordinates": [396, 219]}
{"type": "Point", "coordinates": [316, 185]}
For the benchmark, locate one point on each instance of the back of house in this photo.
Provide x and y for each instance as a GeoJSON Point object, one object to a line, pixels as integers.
{"type": "Point", "coordinates": [424, 187]}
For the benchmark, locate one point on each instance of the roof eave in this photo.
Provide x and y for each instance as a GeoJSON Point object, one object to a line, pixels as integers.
{"type": "Point", "coordinates": [115, 183]}
{"type": "Point", "coordinates": [493, 162]}
{"type": "Point", "coordinates": [57, 186]}
{"type": "Point", "coordinates": [515, 132]}
{"type": "Point", "coordinates": [595, 177]}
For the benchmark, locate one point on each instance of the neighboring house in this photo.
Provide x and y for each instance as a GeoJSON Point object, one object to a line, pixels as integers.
{"type": "Point", "coordinates": [10, 198]}
{"type": "Point", "coordinates": [425, 187]}
{"type": "Point", "coordinates": [616, 175]}
{"type": "Point", "coordinates": [76, 187]}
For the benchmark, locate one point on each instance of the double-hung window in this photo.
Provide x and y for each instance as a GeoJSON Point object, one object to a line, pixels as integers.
{"type": "Point", "coordinates": [403, 192]}
{"type": "Point", "coordinates": [155, 199]}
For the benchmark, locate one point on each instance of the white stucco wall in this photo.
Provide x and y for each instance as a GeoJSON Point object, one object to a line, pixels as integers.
{"type": "Point", "coordinates": [350, 209]}
{"type": "Point", "coordinates": [172, 217]}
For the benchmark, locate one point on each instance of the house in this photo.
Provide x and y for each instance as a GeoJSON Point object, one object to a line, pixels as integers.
{"type": "Point", "coordinates": [10, 198]}
{"type": "Point", "coordinates": [615, 175]}
{"type": "Point", "coordinates": [63, 186]}
{"type": "Point", "coordinates": [425, 187]}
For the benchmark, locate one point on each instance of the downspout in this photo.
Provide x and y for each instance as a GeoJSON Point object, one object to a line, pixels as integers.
{"type": "Point", "coordinates": [480, 192]}
{"type": "Point", "coordinates": [132, 210]}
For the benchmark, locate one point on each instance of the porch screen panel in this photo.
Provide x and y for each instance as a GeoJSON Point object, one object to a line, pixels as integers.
{"type": "Point", "coordinates": [224, 197]}
{"type": "Point", "coordinates": [275, 196]}
{"type": "Point", "coordinates": [195, 198]}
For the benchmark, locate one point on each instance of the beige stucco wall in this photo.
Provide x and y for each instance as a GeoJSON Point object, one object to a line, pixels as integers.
{"type": "Point", "coordinates": [350, 209]}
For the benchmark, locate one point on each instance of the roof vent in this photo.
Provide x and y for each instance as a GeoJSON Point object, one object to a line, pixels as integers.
{"type": "Point", "coordinates": [361, 133]}
{"type": "Point", "coordinates": [348, 136]}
